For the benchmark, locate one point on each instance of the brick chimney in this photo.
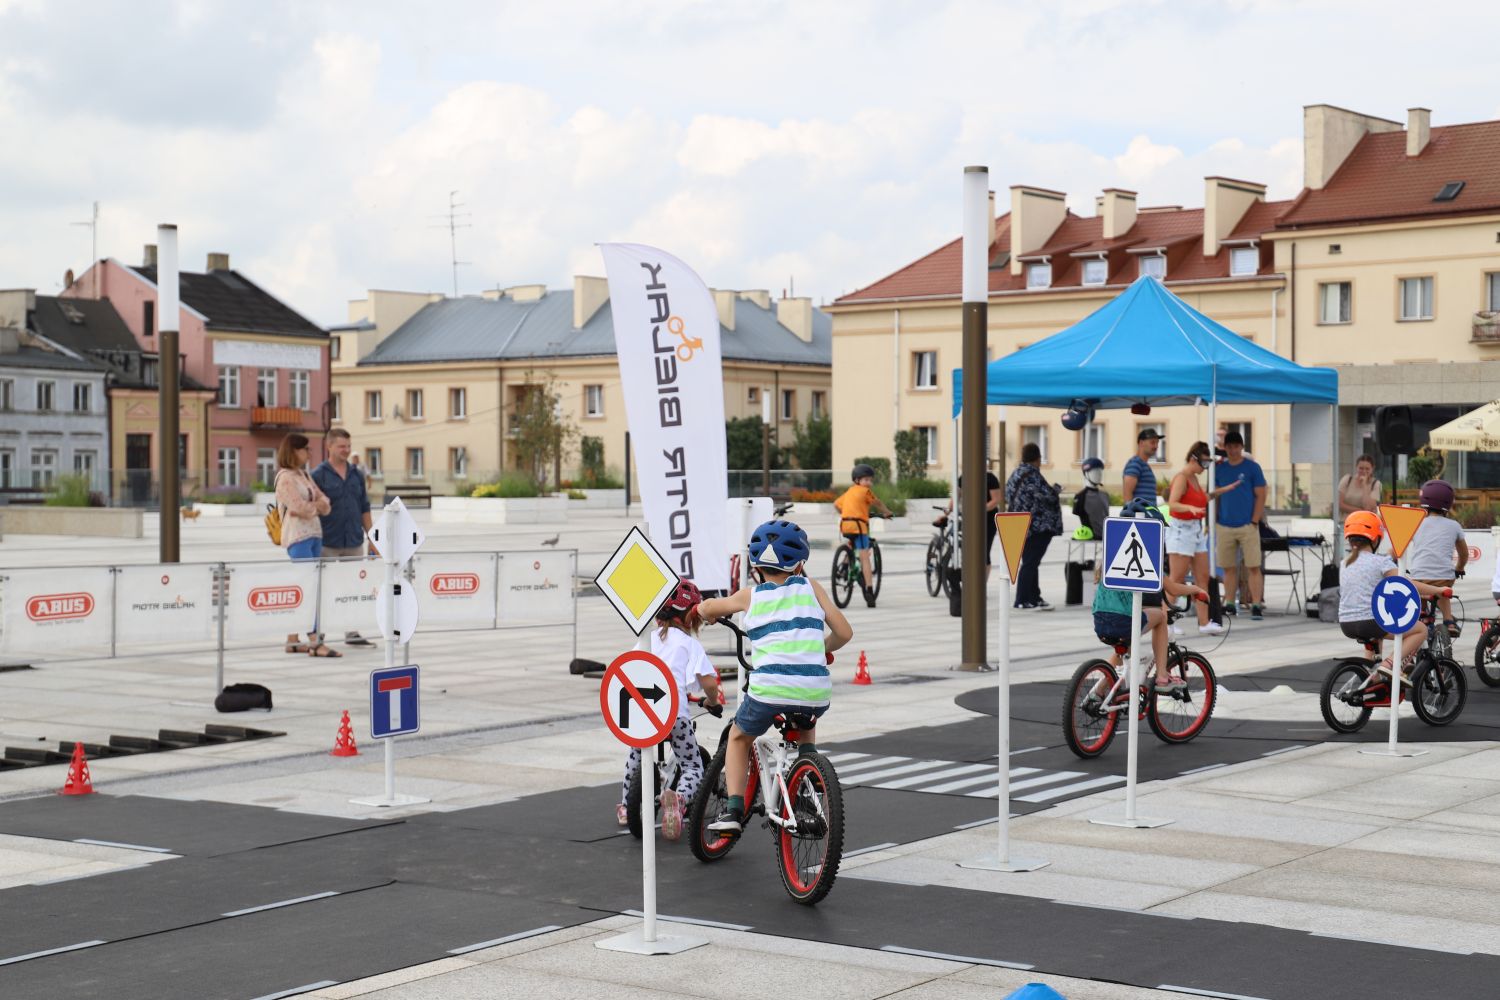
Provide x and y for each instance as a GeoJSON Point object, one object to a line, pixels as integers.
{"type": "Point", "coordinates": [1329, 134]}
{"type": "Point", "coordinates": [1225, 202]}
{"type": "Point", "coordinates": [589, 294]}
{"type": "Point", "coordinates": [797, 316]}
{"type": "Point", "coordinates": [1118, 212]}
{"type": "Point", "coordinates": [218, 262]}
{"type": "Point", "coordinates": [1418, 130]}
{"type": "Point", "coordinates": [148, 259]}
{"type": "Point", "coordinates": [1035, 214]}
{"type": "Point", "coordinates": [725, 301]}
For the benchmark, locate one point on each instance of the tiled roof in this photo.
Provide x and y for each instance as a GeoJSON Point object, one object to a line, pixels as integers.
{"type": "Point", "coordinates": [232, 301]}
{"type": "Point", "coordinates": [36, 357]}
{"type": "Point", "coordinates": [93, 328]}
{"type": "Point", "coordinates": [1378, 181]}
{"type": "Point", "coordinates": [477, 329]}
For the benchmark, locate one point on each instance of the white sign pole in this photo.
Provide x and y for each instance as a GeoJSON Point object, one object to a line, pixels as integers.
{"type": "Point", "coordinates": [388, 598]}
{"type": "Point", "coordinates": [1134, 742]}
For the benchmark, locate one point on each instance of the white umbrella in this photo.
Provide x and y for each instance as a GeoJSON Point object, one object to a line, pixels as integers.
{"type": "Point", "coordinates": [1478, 430]}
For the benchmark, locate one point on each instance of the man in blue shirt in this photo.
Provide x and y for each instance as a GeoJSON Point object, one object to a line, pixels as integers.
{"type": "Point", "coordinates": [1239, 517]}
{"type": "Point", "coordinates": [348, 518]}
{"type": "Point", "coordinates": [1140, 481]}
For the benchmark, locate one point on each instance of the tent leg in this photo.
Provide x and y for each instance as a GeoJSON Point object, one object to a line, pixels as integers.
{"type": "Point", "coordinates": [1213, 504]}
{"type": "Point", "coordinates": [1333, 467]}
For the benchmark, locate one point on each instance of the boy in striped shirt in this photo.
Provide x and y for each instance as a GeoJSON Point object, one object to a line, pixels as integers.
{"type": "Point", "coordinates": [784, 619]}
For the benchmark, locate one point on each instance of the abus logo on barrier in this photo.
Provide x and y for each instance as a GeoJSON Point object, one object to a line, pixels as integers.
{"type": "Point", "coordinates": [275, 598]}
{"type": "Point", "coordinates": [454, 583]}
{"type": "Point", "coordinates": [53, 607]}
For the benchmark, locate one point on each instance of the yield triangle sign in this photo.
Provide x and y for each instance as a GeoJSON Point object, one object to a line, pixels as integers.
{"type": "Point", "coordinates": [1013, 527]}
{"type": "Point", "coordinates": [1401, 524]}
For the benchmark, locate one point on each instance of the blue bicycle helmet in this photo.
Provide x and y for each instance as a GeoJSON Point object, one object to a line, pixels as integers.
{"type": "Point", "coordinates": [1142, 508]}
{"type": "Point", "coordinates": [778, 545]}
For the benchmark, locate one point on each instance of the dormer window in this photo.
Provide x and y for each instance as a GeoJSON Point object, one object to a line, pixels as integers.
{"type": "Point", "coordinates": [1039, 275]}
{"type": "Point", "coordinates": [1154, 266]}
{"type": "Point", "coordinates": [1095, 272]}
{"type": "Point", "coordinates": [1243, 261]}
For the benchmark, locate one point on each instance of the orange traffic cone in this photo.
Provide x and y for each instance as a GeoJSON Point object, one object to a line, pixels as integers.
{"type": "Point", "coordinates": [862, 672]}
{"type": "Point", "coordinates": [343, 745]}
{"type": "Point", "coordinates": [79, 782]}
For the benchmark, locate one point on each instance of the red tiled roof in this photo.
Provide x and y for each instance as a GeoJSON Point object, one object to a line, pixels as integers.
{"type": "Point", "coordinates": [1378, 181]}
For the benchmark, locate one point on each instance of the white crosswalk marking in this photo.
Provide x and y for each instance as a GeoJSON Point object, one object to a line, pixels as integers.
{"type": "Point", "coordinates": [1082, 786]}
{"type": "Point", "coordinates": [975, 781]}
{"type": "Point", "coordinates": [952, 777]}
{"type": "Point", "coordinates": [930, 776]}
{"type": "Point", "coordinates": [891, 772]}
{"type": "Point", "coordinates": [873, 762]}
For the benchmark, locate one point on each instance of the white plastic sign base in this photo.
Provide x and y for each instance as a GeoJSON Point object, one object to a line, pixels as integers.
{"type": "Point", "coordinates": [393, 800]}
{"type": "Point", "coordinates": [991, 863]}
{"type": "Point", "coordinates": [1399, 752]}
{"type": "Point", "coordinates": [635, 943]}
{"type": "Point", "coordinates": [1138, 823]}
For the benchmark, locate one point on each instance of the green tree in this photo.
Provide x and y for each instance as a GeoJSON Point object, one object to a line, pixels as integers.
{"type": "Point", "coordinates": [911, 455]}
{"type": "Point", "coordinates": [742, 439]}
{"type": "Point", "coordinates": [591, 458]}
{"type": "Point", "coordinates": [542, 434]}
{"type": "Point", "coordinates": [882, 467]}
{"type": "Point", "coordinates": [812, 443]}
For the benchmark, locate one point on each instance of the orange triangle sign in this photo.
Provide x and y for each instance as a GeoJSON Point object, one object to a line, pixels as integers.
{"type": "Point", "coordinates": [1012, 529]}
{"type": "Point", "coordinates": [1401, 523]}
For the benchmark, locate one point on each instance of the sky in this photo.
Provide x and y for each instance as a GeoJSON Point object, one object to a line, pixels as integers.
{"type": "Point", "coordinates": [806, 147]}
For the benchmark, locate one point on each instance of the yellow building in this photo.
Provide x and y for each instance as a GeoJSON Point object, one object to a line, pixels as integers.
{"type": "Point", "coordinates": [427, 386]}
{"type": "Point", "coordinates": [1339, 275]}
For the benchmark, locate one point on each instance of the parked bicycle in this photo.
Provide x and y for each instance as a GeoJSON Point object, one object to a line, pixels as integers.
{"type": "Point", "coordinates": [796, 791]}
{"type": "Point", "coordinates": [847, 573]}
{"type": "Point", "coordinates": [667, 776]}
{"type": "Point", "coordinates": [1354, 688]}
{"type": "Point", "coordinates": [1098, 699]}
{"type": "Point", "coordinates": [939, 554]}
{"type": "Point", "coordinates": [1487, 652]}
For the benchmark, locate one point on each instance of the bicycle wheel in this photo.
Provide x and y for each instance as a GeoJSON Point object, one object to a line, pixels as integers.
{"type": "Point", "coordinates": [808, 857]}
{"type": "Point", "coordinates": [944, 562]}
{"type": "Point", "coordinates": [1344, 698]}
{"type": "Point", "coordinates": [874, 568]}
{"type": "Point", "coordinates": [843, 583]}
{"type": "Point", "coordinates": [1086, 724]}
{"type": "Point", "coordinates": [1487, 655]}
{"type": "Point", "coordinates": [1180, 715]}
{"type": "Point", "coordinates": [1438, 690]}
{"type": "Point", "coordinates": [934, 567]}
{"type": "Point", "coordinates": [633, 797]}
{"type": "Point", "coordinates": [705, 808]}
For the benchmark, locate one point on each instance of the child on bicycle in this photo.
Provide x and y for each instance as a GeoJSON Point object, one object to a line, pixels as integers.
{"type": "Point", "coordinates": [675, 641]}
{"type": "Point", "coordinates": [1361, 573]}
{"type": "Point", "coordinates": [854, 522]}
{"type": "Point", "coordinates": [1438, 552]}
{"type": "Point", "coordinates": [784, 620]}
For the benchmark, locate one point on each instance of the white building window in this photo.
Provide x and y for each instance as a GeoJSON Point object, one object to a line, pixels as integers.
{"type": "Point", "coordinates": [415, 464]}
{"type": "Point", "coordinates": [1035, 434]}
{"type": "Point", "coordinates": [83, 397]}
{"type": "Point", "coordinates": [458, 462]}
{"type": "Point", "coordinates": [1246, 430]}
{"type": "Point", "coordinates": [753, 395]}
{"type": "Point", "coordinates": [1243, 261]}
{"type": "Point", "coordinates": [1039, 275]}
{"type": "Point", "coordinates": [458, 404]}
{"type": "Point", "coordinates": [373, 462]}
{"type": "Point", "coordinates": [265, 387]}
{"type": "Point", "coordinates": [1091, 442]}
{"type": "Point", "coordinates": [46, 396]}
{"type": "Point", "coordinates": [7, 395]}
{"type": "Point", "coordinates": [372, 405]}
{"type": "Point", "coordinates": [1095, 272]}
{"type": "Point", "coordinates": [593, 401]}
{"type": "Point", "coordinates": [43, 468]}
{"type": "Point", "coordinates": [930, 440]}
{"type": "Point", "coordinates": [1335, 299]}
{"type": "Point", "coordinates": [1416, 298]}
{"type": "Point", "coordinates": [1492, 292]}
{"type": "Point", "coordinates": [414, 404]}
{"type": "Point", "coordinates": [819, 403]}
{"type": "Point", "coordinates": [336, 406]}
{"type": "Point", "coordinates": [1154, 266]}
{"type": "Point", "coordinates": [84, 463]}
{"type": "Point", "coordinates": [7, 468]}
{"type": "Point", "coordinates": [265, 466]}
{"type": "Point", "coordinates": [299, 387]}
{"type": "Point", "coordinates": [924, 369]}
{"type": "Point", "coordinates": [335, 348]}
{"type": "Point", "coordinates": [229, 466]}
{"type": "Point", "coordinates": [788, 404]}
{"type": "Point", "coordinates": [229, 386]}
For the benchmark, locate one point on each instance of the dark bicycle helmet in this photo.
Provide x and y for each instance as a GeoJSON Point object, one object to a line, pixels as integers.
{"type": "Point", "coordinates": [685, 598]}
{"type": "Point", "coordinates": [778, 545]}
{"type": "Point", "coordinates": [1092, 463]}
{"type": "Point", "coordinates": [1141, 508]}
{"type": "Point", "coordinates": [861, 471]}
{"type": "Point", "coordinates": [1437, 495]}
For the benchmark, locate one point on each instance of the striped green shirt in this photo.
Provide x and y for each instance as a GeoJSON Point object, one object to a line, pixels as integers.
{"type": "Point", "coordinates": [785, 626]}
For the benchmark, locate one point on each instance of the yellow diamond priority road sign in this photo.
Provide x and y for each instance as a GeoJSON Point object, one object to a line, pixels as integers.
{"type": "Point", "coordinates": [637, 580]}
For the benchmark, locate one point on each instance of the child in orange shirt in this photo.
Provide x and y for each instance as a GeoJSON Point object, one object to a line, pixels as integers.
{"type": "Point", "coordinates": [854, 521]}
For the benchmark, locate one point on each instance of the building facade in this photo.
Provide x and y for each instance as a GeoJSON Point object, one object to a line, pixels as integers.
{"type": "Point", "coordinates": [53, 417]}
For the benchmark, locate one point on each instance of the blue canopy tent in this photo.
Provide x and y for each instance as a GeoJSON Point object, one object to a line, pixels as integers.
{"type": "Point", "coordinates": [1149, 346]}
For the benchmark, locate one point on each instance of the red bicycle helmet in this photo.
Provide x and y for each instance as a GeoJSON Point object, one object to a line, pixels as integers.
{"type": "Point", "coordinates": [1363, 524]}
{"type": "Point", "coordinates": [685, 598]}
{"type": "Point", "coordinates": [1437, 495]}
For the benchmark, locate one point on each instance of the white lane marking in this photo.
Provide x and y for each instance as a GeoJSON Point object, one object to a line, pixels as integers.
{"type": "Point", "coordinates": [1200, 770]}
{"type": "Point", "coordinates": [977, 822]}
{"type": "Point", "coordinates": [957, 958]}
{"type": "Point", "coordinates": [1017, 753]}
{"type": "Point", "coordinates": [1081, 786]}
{"type": "Point", "coordinates": [869, 850]}
{"type": "Point", "coordinates": [699, 921]}
{"type": "Point", "coordinates": [847, 755]}
{"type": "Point", "coordinates": [1020, 786]}
{"type": "Point", "coordinates": [131, 847]}
{"type": "Point", "coordinates": [954, 786]}
{"type": "Point", "coordinates": [891, 772]}
{"type": "Point", "coordinates": [950, 772]}
{"type": "Point", "coordinates": [1388, 943]}
{"type": "Point", "coordinates": [50, 951]}
{"type": "Point", "coordinates": [278, 904]}
{"type": "Point", "coordinates": [519, 936]}
{"type": "Point", "coordinates": [1210, 993]}
{"type": "Point", "coordinates": [872, 762]}
{"type": "Point", "coordinates": [1295, 746]}
{"type": "Point", "coordinates": [1124, 909]}
{"type": "Point", "coordinates": [295, 990]}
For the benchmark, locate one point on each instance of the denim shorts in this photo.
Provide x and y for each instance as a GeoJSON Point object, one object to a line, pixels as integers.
{"type": "Point", "coordinates": [858, 541]}
{"type": "Point", "coordinates": [1186, 538]}
{"type": "Point", "coordinates": [307, 548]}
{"type": "Point", "coordinates": [754, 717]}
{"type": "Point", "coordinates": [1111, 625]}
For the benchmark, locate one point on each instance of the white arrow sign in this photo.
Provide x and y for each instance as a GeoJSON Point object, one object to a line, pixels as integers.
{"type": "Point", "coordinates": [396, 535]}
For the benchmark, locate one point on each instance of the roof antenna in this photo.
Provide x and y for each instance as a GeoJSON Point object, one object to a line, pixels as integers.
{"type": "Point", "coordinates": [455, 220]}
{"type": "Point", "coordinates": [93, 225]}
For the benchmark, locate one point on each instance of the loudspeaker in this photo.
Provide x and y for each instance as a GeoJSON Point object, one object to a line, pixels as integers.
{"type": "Point", "coordinates": [1393, 432]}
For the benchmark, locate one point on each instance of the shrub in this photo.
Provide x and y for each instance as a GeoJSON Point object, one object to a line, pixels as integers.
{"type": "Point", "coordinates": [71, 491]}
{"type": "Point", "coordinates": [911, 455]}
{"type": "Point", "coordinates": [577, 495]}
{"type": "Point", "coordinates": [812, 443]}
{"type": "Point", "coordinates": [1475, 516]}
{"type": "Point", "coordinates": [923, 488]}
{"type": "Point", "coordinates": [510, 485]}
{"type": "Point", "coordinates": [1422, 467]}
{"type": "Point", "coordinates": [882, 467]}
{"type": "Point", "coordinates": [225, 494]}
{"type": "Point", "coordinates": [891, 497]}
{"type": "Point", "coordinates": [591, 459]}
{"type": "Point", "coordinates": [799, 495]}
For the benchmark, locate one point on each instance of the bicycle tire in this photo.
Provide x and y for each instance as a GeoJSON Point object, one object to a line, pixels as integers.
{"type": "Point", "coordinates": [704, 809]}
{"type": "Point", "coordinates": [1344, 686]}
{"type": "Point", "coordinates": [1182, 715]}
{"type": "Point", "coordinates": [817, 850]}
{"type": "Point", "coordinates": [633, 798]}
{"type": "Point", "coordinates": [874, 568]}
{"type": "Point", "coordinates": [1486, 652]}
{"type": "Point", "coordinates": [1438, 690]}
{"type": "Point", "coordinates": [1087, 728]}
{"type": "Point", "coordinates": [934, 567]}
{"type": "Point", "coordinates": [843, 583]}
{"type": "Point", "coordinates": [945, 561]}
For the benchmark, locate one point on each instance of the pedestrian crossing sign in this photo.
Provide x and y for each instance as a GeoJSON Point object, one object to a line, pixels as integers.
{"type": "Point", "coordinates": [1133, 554]}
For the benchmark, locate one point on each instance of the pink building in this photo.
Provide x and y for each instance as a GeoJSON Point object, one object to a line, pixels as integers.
{"type": "Point", "coordinates": [270, 363]}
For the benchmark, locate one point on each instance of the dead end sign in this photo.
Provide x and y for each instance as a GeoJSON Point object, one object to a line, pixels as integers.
{"type": "Point", "coordinates": [639, 699]}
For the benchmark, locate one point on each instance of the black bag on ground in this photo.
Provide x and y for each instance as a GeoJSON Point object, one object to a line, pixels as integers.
{"type": "Point", "coordinates": [955, 593]}
{"type": "Point", "coordinates": [243, 697]}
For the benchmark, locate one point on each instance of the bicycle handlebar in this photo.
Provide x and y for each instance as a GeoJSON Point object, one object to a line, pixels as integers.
{"type": "Point", "coordinates": [739, 641]}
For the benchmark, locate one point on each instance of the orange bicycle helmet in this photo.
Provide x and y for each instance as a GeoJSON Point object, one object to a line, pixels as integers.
{"type": "Point", "coordinates": [1363, 524]}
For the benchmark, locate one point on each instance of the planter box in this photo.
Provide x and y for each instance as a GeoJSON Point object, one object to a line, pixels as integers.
{"type": "Point", "coordinates": [228, 509]}
{"type": "Point", "coordinates": [261, 499]}
{"type": "Point", "coordinates": [99, 522]}
{"type": "Point", "coordinates": [498, 510]}
{"type": "Point", "coordinates": [599, 500]}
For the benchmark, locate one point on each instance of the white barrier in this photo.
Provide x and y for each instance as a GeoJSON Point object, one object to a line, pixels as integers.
{"type": "Point", "coordinates": [267, 600]}
{"type": "Point", "coordinates": [535, 588]}
{"type": "Point", "coordinates": [46, 610]}
{"type": "Point", "coordinates": [457, 589]}
{"type": "Point", "coordinates": [165, 604]}
{"type": "Point", "coordinates": [347, 594]}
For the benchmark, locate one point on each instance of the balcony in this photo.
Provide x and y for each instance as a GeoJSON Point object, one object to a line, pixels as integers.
{"type": "Point", "coordinates": [1486, 328]}
{"type": "Point", "coordinates": [289, 417]}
